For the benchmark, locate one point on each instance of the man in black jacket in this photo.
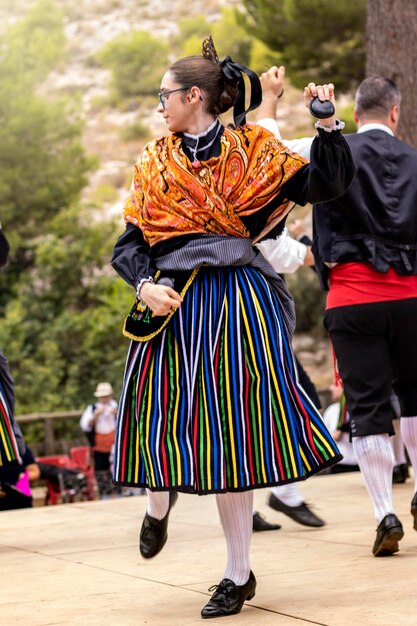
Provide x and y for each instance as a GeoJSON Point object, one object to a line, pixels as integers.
{"type": "Point", "coordinates": [365, 245]}
{"type": "Point", "coordinates": [365, 248]}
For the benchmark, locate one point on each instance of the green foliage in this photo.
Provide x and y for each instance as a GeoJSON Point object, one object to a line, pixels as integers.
{"type": "Point", "coordinates": [197, 26]}
{"type": "Point", "coordinates": [261, 57]}
{"type": "Point", "coordinates": [135, 132]}
{"type": "Point", "coordinates": [192, 46]}
{"type": "Point", "coordinates": [42, 162]}
{"type": "Point", "coordinates": [319, 40]}
{"type": "Point", "coordinates": [33, 45]}
{"type": "Point", "coordinates": [103, 194]}
{"type": "Point", "coordinates": [62, 305]}
{"type": "Point", "coordinates": [230, 38]}
{"type": "Point", "coordinates": [137, 61]}
{"type": "Point", "coordinates": [62, 331]}
{"type": "Point", "coordinates": [346, 114]}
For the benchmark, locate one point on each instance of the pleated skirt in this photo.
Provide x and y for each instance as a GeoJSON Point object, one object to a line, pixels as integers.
{"type": "Point", "coordinates": [212, 403]}
{"type": "Point", "coordinates": [9, 453]}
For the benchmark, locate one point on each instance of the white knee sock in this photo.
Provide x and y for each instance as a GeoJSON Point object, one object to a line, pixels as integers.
{"type": "Point", "coordinates": [158, 503]}
{"type": "Point", "coordinates": [288, 494]}
{"type": "Point", "coordinates": [375, 460]}
{"type": "Point", "coordinates": [235, 511]}
{"type": "Point", "coordinates": [397, 444]}
{"type": "Point", "coordinates": [409, 435]}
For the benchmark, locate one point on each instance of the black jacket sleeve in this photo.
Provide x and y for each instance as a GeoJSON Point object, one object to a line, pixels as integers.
{"type": "Point", "coordinates": [131, 256]}
{"type": "Point", "coordinates": [328, 175]}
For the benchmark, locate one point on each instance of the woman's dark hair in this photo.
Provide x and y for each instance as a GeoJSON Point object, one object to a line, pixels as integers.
{"type": "Point", "coordinates": [207, 74]}
{"type": "Point", "coordinates": [222, 82]}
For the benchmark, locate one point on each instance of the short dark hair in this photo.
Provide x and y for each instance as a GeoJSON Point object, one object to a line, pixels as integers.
{"type": "Point", "coordinates": [376, 95]}
{"type": "Point", "coordinates": [198, 71]}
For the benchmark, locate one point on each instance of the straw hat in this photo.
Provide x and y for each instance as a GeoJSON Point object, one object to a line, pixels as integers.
{"type": "Point", "coordinates": [103, 389]}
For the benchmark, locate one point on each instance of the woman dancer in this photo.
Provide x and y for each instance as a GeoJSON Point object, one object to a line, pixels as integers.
{"type": "Point", "coordinates": [211, 401]}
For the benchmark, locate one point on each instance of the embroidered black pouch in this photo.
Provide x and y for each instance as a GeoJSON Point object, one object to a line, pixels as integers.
{"type": "Point", "coordinates": [141, 324]}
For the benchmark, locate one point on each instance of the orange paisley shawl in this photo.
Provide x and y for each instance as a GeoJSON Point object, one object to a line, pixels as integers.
{"type": "Point", "coordinates": [170, 196]}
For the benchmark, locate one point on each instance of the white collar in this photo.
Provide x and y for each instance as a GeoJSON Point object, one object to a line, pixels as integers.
{"type": "Point", "coordinates": [205, 132]}
{"type": "Point", "coordinates": [375, 126]}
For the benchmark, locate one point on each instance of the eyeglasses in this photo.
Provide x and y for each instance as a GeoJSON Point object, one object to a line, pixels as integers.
{"type": "Point", "coordinates": [163, 94]}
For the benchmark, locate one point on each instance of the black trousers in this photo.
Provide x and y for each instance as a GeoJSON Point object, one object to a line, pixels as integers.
{"type": "Point", "coordinates": [376, 349]}
{"type": "Point", "coordinates": [101, 461]}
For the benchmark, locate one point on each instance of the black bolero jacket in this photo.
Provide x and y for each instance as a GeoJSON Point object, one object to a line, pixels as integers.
{"type": "Point", "coordinates": [375, 221]}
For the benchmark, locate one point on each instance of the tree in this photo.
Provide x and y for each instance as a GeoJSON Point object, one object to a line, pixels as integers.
{"type": "Point", "coordinates": [391, 51]}
{"type": "Point", "coordinates": [196, 26]}
{"type": "Point", "coordinates": [62, 306]}
{"type": "Point", "coordinates": [230, 38]}
{"type": "Point", "coordinates": [32, 46]}
{"type": "Point", "coordinates": [316, 39]}
{"type": "Point", "coordinates": [42, 161]}
{"type": "Point", "coordinates": [62, 330]}
{"type": "Point", "coordinates": [137, 61]}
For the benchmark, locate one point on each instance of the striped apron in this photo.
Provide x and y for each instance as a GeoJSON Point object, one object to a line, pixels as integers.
{"type": "Point", "coordinates": [213, 403]}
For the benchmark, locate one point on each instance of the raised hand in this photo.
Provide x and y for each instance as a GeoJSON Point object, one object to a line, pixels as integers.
{"type": "Point", "coordinates": [272, 82]}
{"type": "Point", "coordinates": [325, 93]}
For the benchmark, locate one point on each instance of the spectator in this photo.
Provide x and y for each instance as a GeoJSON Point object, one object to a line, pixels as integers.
{"type": "Point", "coordinates": [99, 423]}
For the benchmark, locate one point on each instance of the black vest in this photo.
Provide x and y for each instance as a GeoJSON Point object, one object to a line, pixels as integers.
{"type": "Point", "coordinates": [375, 221]}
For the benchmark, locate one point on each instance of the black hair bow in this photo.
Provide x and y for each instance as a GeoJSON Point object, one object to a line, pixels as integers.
{"type": "Point", "coordinates": [233, 72]}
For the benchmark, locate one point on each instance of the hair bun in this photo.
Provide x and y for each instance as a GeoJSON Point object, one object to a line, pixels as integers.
{"type": "Point", "coordinates": [209, 50]}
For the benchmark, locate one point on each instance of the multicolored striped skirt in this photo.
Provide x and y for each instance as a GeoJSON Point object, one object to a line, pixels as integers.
{"type": "Point", "coordinates": [9, 452]}
{"type": "Point", "coordinates": [212, 403]}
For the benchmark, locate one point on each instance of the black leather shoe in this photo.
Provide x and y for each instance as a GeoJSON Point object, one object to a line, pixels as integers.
{"type": "Point", "coordinates": [301, 513]}
{"type": "Point", "coordinates": [154, 532]}
{"type": "Point", "coordinates": [228, 598]}
{"type": "Point", "coordinates": [388, 534]}
{"type": "Point", "coordinates": [259, 523]}
{"type": "Point", "coordinates": [414, 510]}
{"type": "Point", "coordinates": [400, 473]}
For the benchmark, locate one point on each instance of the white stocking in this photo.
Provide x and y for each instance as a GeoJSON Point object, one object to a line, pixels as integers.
{"type": "Point", "coordinates": [409, 435]}
{"type": "Point", "coordinates": [158, 503]}
{"type": "Point", "coordinates": [235, 511]}
{"type": "Point", "coordinates": [397, 444]}
{"type": "Point", "coordinates": [375, 460]}
{"type": "Point", "coordinates": [288, 494]}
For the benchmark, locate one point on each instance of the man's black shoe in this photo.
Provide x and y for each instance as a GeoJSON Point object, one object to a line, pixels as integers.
{"type": "Point", "coordinates": [388, 534]}
{"type": "Point", "coordinates": [400, 473]}
{"type": "Point", "coordinates": [414, 510]}
{"type": "Point", "coordinates": [228, 598]}
{"type": "Point", "coordinates": [154, 532]}
{"type": "Point", "coordinates": [301, 513]}
{"type": "Point", "coordinates": [259, 523]}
